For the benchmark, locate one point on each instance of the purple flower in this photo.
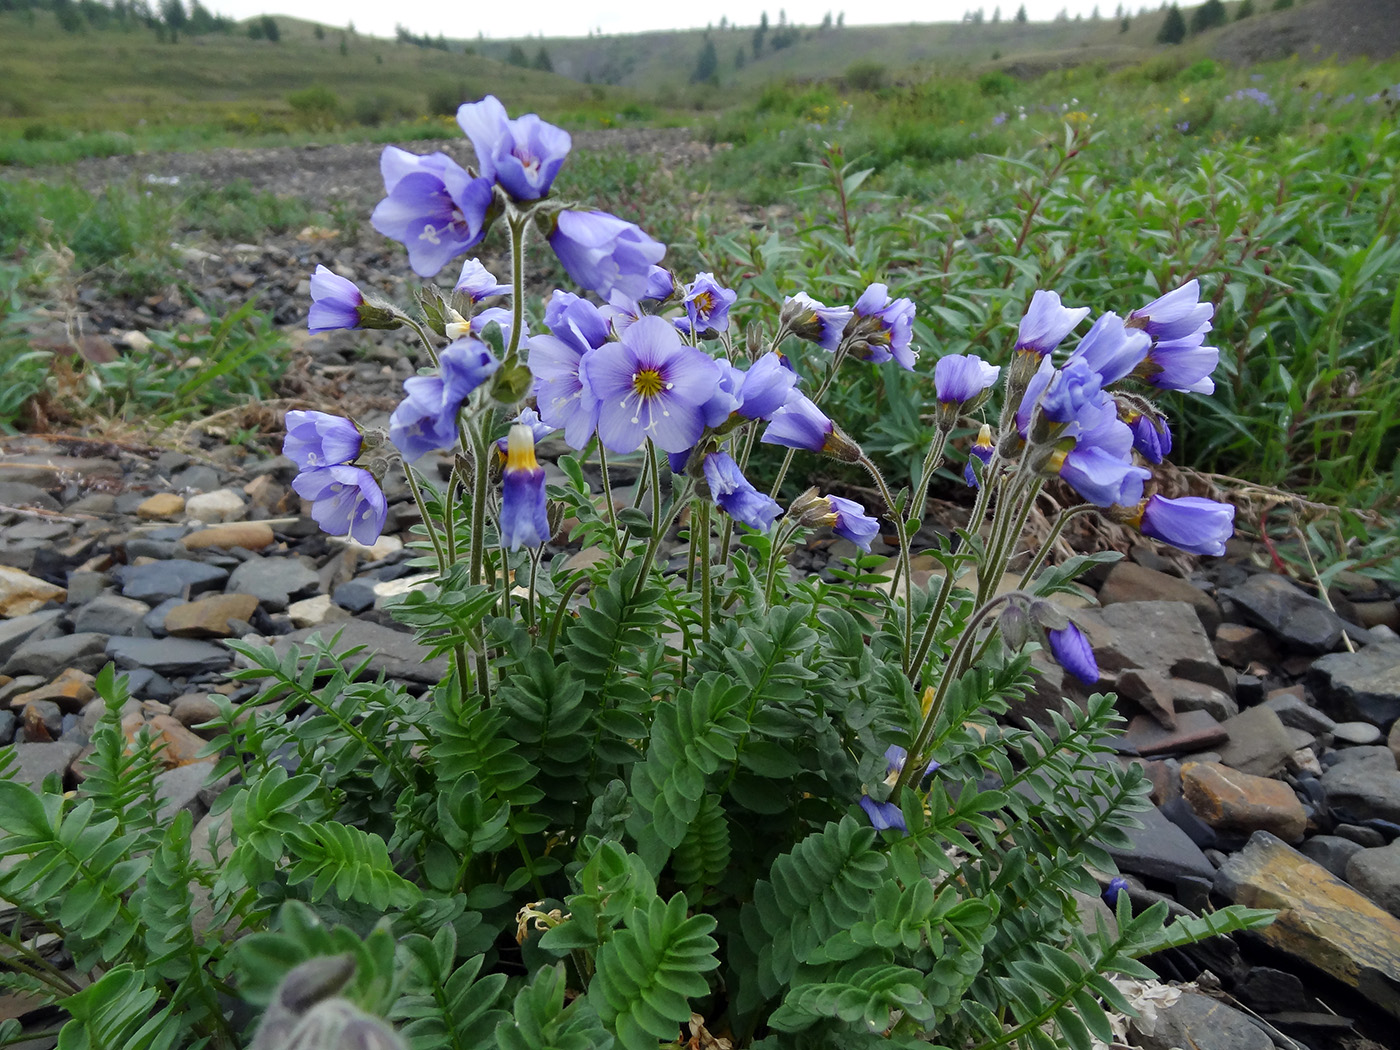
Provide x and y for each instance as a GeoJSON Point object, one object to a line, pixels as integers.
{"type": "Point", "coordinates": [524, 513]}
{"type": "Point", "coordinates": [1177, 314]}
{"type": "Point", "coordinates": [649, 385]}
{"type": "Point", "coordinates": [661, 284]}
{"type": "Point", "coordinates": [1111, 349]}
{"type": "Point", "coordinates": [335, 302]}
{"type": "Point", "coordinates": [800, 424]}
{"type": "Point", "coordinates": [427, 418]}
{"type": "Point", "coordinates": [1073, 652]}
{"type": "Point", "coordinates": [1047, 323]}
{"type": "Point", "coordinates": [1191, 523]}
{"type": "Point", "coordinates": [1116, 885]}
{"type": "Point", "coordinates": [477, 283]}
{"type": "Point", "coordinates": [523, 155]}
{"type": "Point", "coordinates": [1181, 364]}
{"type": "Point", "coordinates": [734, 495]}
{"type": "Point", "coordinates": [849, 520]}
{"type": "Point", "coordinates": [621, 313]}
{"type": "Point", "coordinates": [884, 816]}
{"type": "Point", "coordinates": [767, 386]}
{"type": "Point", "coordinates": [724, 402]}
{"type": "Point", "coordinates": [960, 378]}
{"type": "Point", "coordinates": [1099, 466]}
{"type": "Point", "coordinates": [344, 500]}
{"type": "Point", "coordinates": [1154, 445]}
{"type": "Point", "coordinates": [315, 439]}
{"type": "Point", "coordinates": [810, 320]}
{"type": "Point", "coordinates": [707, 305]}
{"type": "Point", "coordinates": [981, 449]}
{"type": "Point", "coordinates": [576, 327]}
{"type": "Point", "coordinates": [885, 327]}
{"type": "Point", "coordinates": [896, 756]}
{"type": "Point", "coordinates": [433, 207]}
{"type": "Point", "coordinates": [501, 318]}
{"type": "Point", "coordinates": [603, 253]}
{"type": "Point", "coordinates": [528, 417]}
{"type": "Point", "coordinates": [1073, 394]}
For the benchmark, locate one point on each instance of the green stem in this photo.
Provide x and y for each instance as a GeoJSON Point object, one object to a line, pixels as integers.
{"type": "Point", "coordinates": [517, 221]}
{"type": "Point", "coordinates": [705, 597]}
{"type": "Point", "coordinates": [422, 337]}
{"type": "Point", "coordinates": [903, 567]}
{"type": "Point", "coordinates": [427, 520]}
{"type": "Point", "coordinates": [774, 557]}
{"type": "Point", "coordinates": [672, 511]}
{"type": "Point", "coordinates": [1061, 520]}
{"type": "Point", "coordinates": [931, 463]}
{"type": "Point", "coordinates": [619, 542]}
{"type": "Point", "coordinates": [562, 609]}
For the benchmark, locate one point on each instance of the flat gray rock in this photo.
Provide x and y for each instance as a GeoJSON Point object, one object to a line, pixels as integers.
{"type": "Point", "coordinates": [49, 656]}
{"type": "Point", "coordinates": [1161, 850]}
{"type": "Point", "coordinates": [1363, 685]}
{"type": "Point", "coordinates": [275, 582]}
{"type": "Point", "coordinates": [36, 761]}
{"type": "Point", "coordinates": [18, 630]}
{"type": "Point", "coordinates": [1259, 743]}
{"type": "Point", "coordinates": [173, 657]}
{"type": "Point", "coordinates": [392, 653]}
{"type": "Point", "coordinates": [1202, 1022]}
{"type": "Point", "coordinates": [1162, 637]}
{"type": "Point", "coordinates": [1363, 785]}
{"type": "Point", "coordinates": [112, 614]}
{"type": "Point", "coordinates": [1298, 620]}
{"type": "Point", "coordinates": [156, 581]}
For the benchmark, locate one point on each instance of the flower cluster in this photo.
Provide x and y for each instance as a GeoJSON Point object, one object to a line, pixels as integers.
{"type": "Point", "coordinates": [345, 499]}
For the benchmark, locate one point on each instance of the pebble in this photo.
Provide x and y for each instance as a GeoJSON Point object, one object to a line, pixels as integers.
{"type": "Point", "coordinates": [1296, 619]}
{"type": "Point", "coordinates": [219, 505]}
{"type": "Point", "coordinates": [49, 656]}
{"type": "Point", "coordinates": [177, 657]}
{"type": "Point", "coordinates": [209, 617]}
{"type": "Point", "coordinates": [1376, 873]}
{"type": "Point", "coordinates": [158, 581]}
{"type": "Point", "coordinates": [161, 505]}
{"type": "Point", "coordinates": [1130, 582]}
{"type": "Point", "coordinates": [113, 614]}
{"type": "Point", "coordinates": [1363, 685]}
{"type": "Point", "coordinates": [21, 593]}
{"type": "Point", "coordinates": [1332, 852]}
{"type": "Point", "coordinates": [249, 535]}
{"type": "Point", "coordinates": [1258, 742]}
{"type": "Point", "coordinates": [1363, 783]}
{"type": "Point", "coordinates": [1232, 801]}
{"type": "Point", "coordinates": [1198, 1021]}
{"type": "Point", "coordinates": [274, 582]}
{"type": "Point", "coordinates": [15, 632]}
{"type": "Point", "coordinates": [71, 690]}
{"type": "Point", "coordinates": [1359, 733]}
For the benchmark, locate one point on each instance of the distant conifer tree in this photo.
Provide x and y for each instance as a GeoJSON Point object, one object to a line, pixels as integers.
{"type": "Point", "coordinates": [1021, 13]}
{"type": "Point", "coordinates": [1245, 9]}
{"type": "Point", "coordinates": [1173, 29]}
{"type": "Point", "coordinates": [542, 62]}
{"type": "Point", "coordinates": [707, 64]}
{"type": "Point", "coordinates": [1209, 15]}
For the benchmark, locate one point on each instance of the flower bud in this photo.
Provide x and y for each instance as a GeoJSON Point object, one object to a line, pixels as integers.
{"type": "Point", "coordinates": [1015, 627]}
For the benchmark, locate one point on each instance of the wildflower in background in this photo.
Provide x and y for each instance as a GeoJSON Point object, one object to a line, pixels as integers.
{"type": "Point", "coordinates": [528, 417]}
{"type": "Point", "coordinates": [707, 306]}
{"type": "Point", "coordinates": [433, 207]}
{"type": "Point", "coordinates": [1152, 438]}
{"type": "Point", "coordinates": [317, 439]}
{"type": "Point", "coordinates": [478, 283]}
{"type": "Point", "coordinates": [335, 302]}
{"type": "Point", "coordinates": [981, 449]}
{"type": "Point", "coordinates": [1181, 364]}
{"type": "Point", "coordinates": [524, 512]}
{"type": "Point", "coordinates": [882, 328]}
{"type": "Point", "coordinates": [522, 155]}
{"type": "Point", "coordinates": [661, 284]}
{"type": "Point", "coordinates": [1073, 394]}
{"type": "Point", "coordinates": [1073, 652]}
{"type": "Point", "coordinates": [808, 319]}
{"type": "Point", "coordinates": [801, 424]}
{"type": "Point", "coordinates": [1111, 348]}
{"type": "Point", "coordinates": [845, 517]}
{"type": "Point", "coordinates": [767, 385]}
{"type": "Point", "coordinates": [1046, 323]}
{"type": "Point", "coordinates": [604, 254]}
{"type": "Point", "coordinates": [884, 816]}
{"type": "Point", "coordinates": [960, 380]}
{"type": "Point", "coordinates": [427, 417]}
{"type": "Point", "coordinates": [576, 328]}
{"type": "Point", "coordinates": [1116, 885]}
{"type": "Point", "coordinates": [1176, 315]}
{"type": "Point", "coordinates": [345, 500]}
{"type": "Point", "coordinates": [896, 756]}
{"type": "Point", "coordinates": [1190, 523]}
{"type": "Point", "coordinates": [649, 384]}
{"type": "Point", "coordinates": [734, 495]}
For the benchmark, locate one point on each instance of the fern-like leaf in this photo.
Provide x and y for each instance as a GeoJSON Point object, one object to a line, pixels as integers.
{"type": "Point", "coordinates": [446, 1006]}
{"type": "Point", "coordinates": [542, 1022]}
{"type": "Point", "coordinates": [353, 863]}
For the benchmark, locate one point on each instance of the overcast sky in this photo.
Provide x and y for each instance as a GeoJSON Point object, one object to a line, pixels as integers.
{"type": "Point", "coordinates": [571, 18]}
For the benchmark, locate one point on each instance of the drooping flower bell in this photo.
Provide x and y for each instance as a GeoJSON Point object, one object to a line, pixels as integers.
{"type": "Point", "coordinates": [707, 304]}
{"type": "Point", "coordinates": [815, 322]}
{"type": "Point", "coordinates": [433, 207]}
{"type": "Point", "coordinates": [345, 500]}
{"type": "Point", "coordinates": [845, 517]}
{"type": "Point", "coordinates": [884, 816]}
{"type": "Point", "coordinates": [1111, 348]}
{"type": "Point", "coordinates": [427, 417]}
{"type": "Point", "coordinates": [317, 439]}
{"type": "Point", "coordinates": [603, 253]}
{"type": "Point", "coordinates": [522, 155]}
{"type": "Point", "coordinates": [1073, 652]}
{"type": "Point", "coordinates": [800, 424]}
{"type": "Point", "coordinates": [882, 328]}
{"type": "Point", "coordinates": [1175, 315]}
{"type": "Point", "coordinates": [524, 510]}
{"type": "Point", "coordinates": [982, 449]}
{"type": "Point", "coordinates": [736, 496]}
{"type": "Point", "coordinates": [960, 382]}
{"type": "Point", "coordinates": [1190, 523]}
{"type": "Point", "coordinates": [1152, 438]}
{"type": "Point", "coordinates": [649, 384]}
{"type": "Point", "coordinates": [1046, 323]}
{"type": "Point", "coordinates": [478, 283]}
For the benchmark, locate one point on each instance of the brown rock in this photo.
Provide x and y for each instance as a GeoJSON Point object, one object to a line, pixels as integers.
{"type": "Point", "coordinates": [1321, 919]}
{"type": "Point", "coordinates": [1229, 800]}
{"type": "Point", "coordinates": [194, 709]}
{"type": "Point", "coordinates": [1239, 646]}
{"type": "Point", "coordinates": [71, 690]}
{"type": "Point", "coordinates": [251, 535]}
{"type": "Point", "coordinates": [22, 594]}
{"type": "Point", "coordinates": [1259, 742]}
{"type": "Point", "coordinates": [1377, 614]}
{"type": "Point", "coordinates": [264, 492]}
{"type": "Point", "coordinates": [1130, 582]}
{"type": "Point", "coordinates": [1393, 741]}
{"type": "Point", "coordinates": [165, 505]}
{"type": "Point", "coordinates": [1195, 731]}
{"type": "Point", "coordinates": [181, 746]}
{"type": "Point", "coordinates": [209, 618]}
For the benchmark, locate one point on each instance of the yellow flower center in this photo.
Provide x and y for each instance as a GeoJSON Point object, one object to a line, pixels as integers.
{"type": "Point", "coordinates": [704, 303]}
{"type": "Point", "coordinates": [520, 449]}
{"type": "Point", "coordinates": [647, 382]}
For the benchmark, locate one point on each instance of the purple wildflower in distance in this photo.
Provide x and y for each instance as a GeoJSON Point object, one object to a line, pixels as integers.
{"type": "Point", "coordinates": [649, 384]}
{"type": "Point", "coordinates": [884, 816]}
{"type": "Point", "coordinates": [426, 419]}
{"type": "Point", "coordinates": [1116, 885]}
{"type": "Point", "coordinates": [960, 378]}
{"type": "Point", "coordinates": [884, 327]}
{"type": "Point", "coordinates": [1047, 323]}
{"type": "Point", "coordinates": [335, 302]}
{"type": "Point", "coordinates": [981, 449]}
{"type": "Point", "coordinates": [734, 495]}
{"type": "Point", "coordinates": [478, 283]}
{"type": "Point", "coordinates": [344, 501]}
{"type": "Point", "coordinates": [815, 322]}
{"type": "Point", "coordinates": [850, 521]}
{"type": "Point", "coordinates": [316, 439]}
{"type": "Point", "coordinates": [1191, 523]}
{"type": "Point", "coordinates": [522, 155]}
{"type": "Point", "coordinates": [603, 253]}
{"type": "Point", "coordinates": [1073, 652]}
{"type": "Point", "coordinates": [707, 306]}
{"type": "Point", "coordinates": [1176, 315]}
{"type": "Point", "coordinates": [524, 512]}
{"type": "Point", "coordinates": [1112, 349]}
{"type": "Point", "coordinates": [434, 208]}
